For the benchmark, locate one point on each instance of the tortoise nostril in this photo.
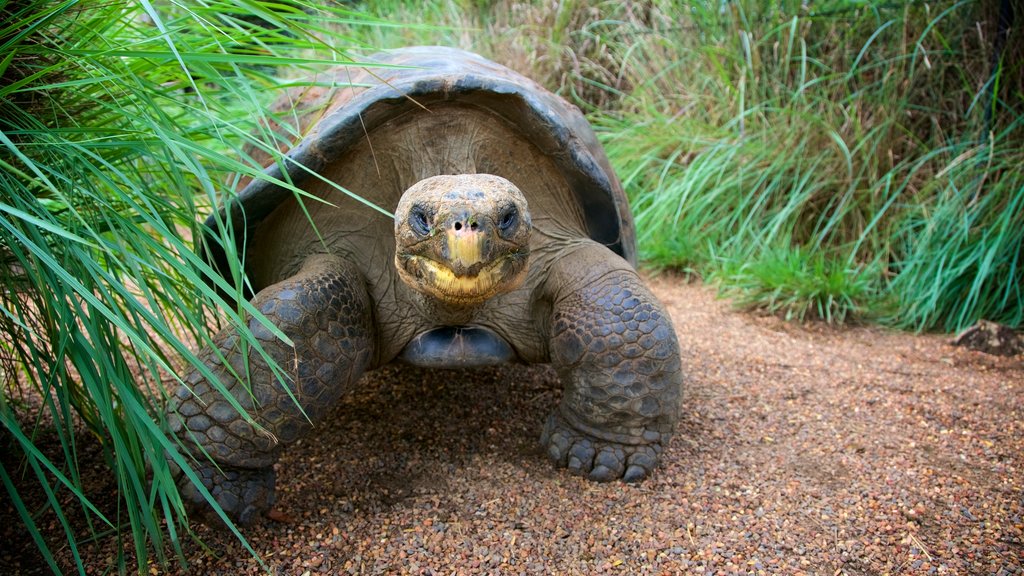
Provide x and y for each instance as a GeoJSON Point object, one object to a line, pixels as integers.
{"type": "Point", "coordinates": [473, 226]}
{"type": "Point", "coordinates": [458, 226]}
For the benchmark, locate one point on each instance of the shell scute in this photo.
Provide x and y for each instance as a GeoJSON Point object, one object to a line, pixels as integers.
{"type": "Point", "coordinates": [329, 123]}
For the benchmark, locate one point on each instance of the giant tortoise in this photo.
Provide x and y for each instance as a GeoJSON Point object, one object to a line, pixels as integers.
{"type": "Point", "coordinates": [511, 242]}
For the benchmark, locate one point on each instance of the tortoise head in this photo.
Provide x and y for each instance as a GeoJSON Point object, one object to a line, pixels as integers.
{"type": "Point", "coordinates": [462, 238]}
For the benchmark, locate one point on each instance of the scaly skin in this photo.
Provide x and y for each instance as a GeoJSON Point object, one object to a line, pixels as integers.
{"type": "Point", "coordinates": [326, 312]}
{"type": "Point", "coordinates": [606, 334]}
{"type": "Point", "coordinates": [617, 355]}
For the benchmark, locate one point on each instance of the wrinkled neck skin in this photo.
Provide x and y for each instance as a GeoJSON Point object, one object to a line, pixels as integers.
{"type": "Point", "coordinates": [447, 313]}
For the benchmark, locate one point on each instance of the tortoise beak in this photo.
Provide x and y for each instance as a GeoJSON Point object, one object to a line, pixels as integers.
{"type": "Point", "coordinates": [467, 242]}
{"type": "Point", "coordinates": [462, 238]}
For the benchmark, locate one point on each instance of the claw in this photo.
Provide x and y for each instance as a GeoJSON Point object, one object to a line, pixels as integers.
{"type": "Point", "coordinates": [244, 494]}
{"type": "Point", "coordinates": [598, 459]}
{"type": "Point", "coordinates": [602, 474]}
{"type": "Point", "coordinates": [612, 457]}
{"type": "Point", "coordinates": [581, 457]}
{"type": "Point", "coordinates": [634, 474]}
{"type": "Point", "coordinates": [645, 459]}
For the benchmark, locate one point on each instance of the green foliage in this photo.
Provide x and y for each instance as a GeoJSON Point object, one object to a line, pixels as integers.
{"type": "Point", "coordinates": [831, 159]}
{"type": "Point", "coordinates": [120, 128]}
{"type": "Point", "coordinates": [799, 285]}
{"type": "Point", "coordinates": [961, 239]}
{"type": "Point", "coordinates": [878, 136]}
{"type": "Point", "coordinates": [841, 133]}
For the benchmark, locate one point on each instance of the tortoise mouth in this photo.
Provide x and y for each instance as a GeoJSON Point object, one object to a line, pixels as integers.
{"type": "Point", "coordinates": [462, 238]}
{"type": "Point", "coordinates": [437, 279]}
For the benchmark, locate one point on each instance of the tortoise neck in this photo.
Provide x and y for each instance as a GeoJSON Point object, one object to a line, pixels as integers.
{"type": "Point", "coordinates": [448, 313]}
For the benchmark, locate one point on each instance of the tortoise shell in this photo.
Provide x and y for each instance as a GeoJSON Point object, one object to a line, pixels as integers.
{"type": "Point", "coordinates": [418, 112]}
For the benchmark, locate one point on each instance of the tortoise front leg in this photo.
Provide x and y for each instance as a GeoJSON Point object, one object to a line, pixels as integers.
{"type": "Point", "coordinates": [325, 310]}
{"type": "Point", "coordinates": [617, 354]}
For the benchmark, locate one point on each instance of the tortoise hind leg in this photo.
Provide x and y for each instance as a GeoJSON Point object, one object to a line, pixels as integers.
{"type": "Point", "coordinates": [617, 355]}
{"type": "Point", "coordinates": [325, 310]}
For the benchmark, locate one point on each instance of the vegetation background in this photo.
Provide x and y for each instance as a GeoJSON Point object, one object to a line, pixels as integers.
{"type": "Point", "coordinates": [836, 159]}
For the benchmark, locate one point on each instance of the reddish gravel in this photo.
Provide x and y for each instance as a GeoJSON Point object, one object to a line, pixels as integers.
{"type": "Point", "coordinates": [801, 450]}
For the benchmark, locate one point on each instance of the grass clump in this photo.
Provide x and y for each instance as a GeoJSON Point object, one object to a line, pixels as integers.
{"type": "Point", "coordinates": [120, 126]}
{"type": "Point", "coordinates": [833, 160]}
{"type": "Point", "coordinates": [850, 133]}
{"type": "Point", "coordinates": [877, 138]}
{"type": "Point", "coordinates": [799, 285]}
{"type": "Point", "coordinates": [961, 239]}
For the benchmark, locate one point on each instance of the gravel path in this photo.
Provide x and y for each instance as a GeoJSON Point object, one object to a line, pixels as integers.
{"type": "Point", "coordinates": [801, 450]}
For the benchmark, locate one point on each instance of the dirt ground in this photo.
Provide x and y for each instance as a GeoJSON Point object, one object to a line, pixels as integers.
{"type": "Point", "coordinates": [801, 449]}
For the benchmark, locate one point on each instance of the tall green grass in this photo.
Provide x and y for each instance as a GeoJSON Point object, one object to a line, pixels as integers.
{"type": "Point", "coordinates": [121, 126]}
{"type": "Point", "coordinates": [832, 160]}
{"type": "Point", "coordinates": [960, 241]}
{"type": "Point", "coordinates": [835, 159]}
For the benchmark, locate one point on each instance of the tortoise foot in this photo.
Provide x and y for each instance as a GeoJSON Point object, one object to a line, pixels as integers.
{"type": "Point", "coordinates": [244, 494]}
{"type": "Point", "coordinates": [599, 457]}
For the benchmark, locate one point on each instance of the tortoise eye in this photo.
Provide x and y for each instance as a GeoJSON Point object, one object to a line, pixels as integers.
{"type": "Point", "coordinates": [418, 221]}
{"type": "Point", "coordinates": [508, 219]}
